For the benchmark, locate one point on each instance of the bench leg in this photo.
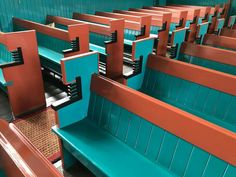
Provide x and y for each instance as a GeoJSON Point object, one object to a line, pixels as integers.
{"type": "Point", "coordinates": [68, 159]}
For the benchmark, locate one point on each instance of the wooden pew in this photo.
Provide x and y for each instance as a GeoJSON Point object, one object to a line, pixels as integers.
{"type": "Point", "coordinates": [220, 41]}
{"type": "Point", "coordinates": [192, 18]}
{"type": "Point", "coordinates": [143, 136]}
{"type": "Point", "coordinates": [19, 157]}
{"type": "Point", "coordinates": [143, 25]}
{"type": "Point", "coordinates": [20, 72]}
{"type": "Point", "coordinates": [207, 56]}
{"type": "Point", "coordinates": [160, 26]}
{"type": "Point", "coordinates": [205, 11]}
{"type": "Point", "coordinates": [178, 19]}
{"type": "Point", "coordinates": [206, 93]}
{"type": "Point", "coordinates": [229, 30]}
{"type": "Point", "coordinates": [177, 30]}
{"type": "Point", "coordinates": [107, 40]}
{"type": "Point", "coordinates": [134, 59]}
{"type": "Point", "coordinates": [214, 17]}
{"type": "Point", "coordinates": [55, 44]}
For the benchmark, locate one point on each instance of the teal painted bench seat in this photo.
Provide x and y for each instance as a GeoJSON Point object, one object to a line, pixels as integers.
{"type": "Point", "coordinates": [128, 42]}
{"type": "Point", "coordinates": [210, 104]}
{"type": "Point", "coordinates": [111, 141]}
{"type": "Point", "coordinates": [2, 173]}
{"type": "Point", "coordinates": [50, 59]}
{"type": "Point", "coordinates": [50, 54]}
{"type": "Point", "coordinates": [101, 50]}
{"type": "Point", "coordinates": [105, 152]}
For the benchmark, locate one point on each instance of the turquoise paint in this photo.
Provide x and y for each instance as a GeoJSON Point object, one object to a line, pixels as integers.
{"type": "Point", "coordinates": [2, 173]}
{"type": "Point", "coordinates": [173, 27]}
{"type": "Point", "coordinates": [188, 22]}
{"type": "Point", "coordinates": [209, 64]}
{"type": "Point", "coordinates": [130, 34]}
{"type": "Point", "coordinates": [111, 133]}
{"type": "Point", "coordinates": [5, 57]}
{"type": "Point", "coordinates": [220, 25]}
{"type": "Point", "coordinates": [178, 39]}
{"type": "Point", "coordinates": [154, 29]}
{"type": "Point", "coordinates": [50, 54]}
{"type": "Point", "coordinates": [202, 28]}
{"type": "Point", "coordinates": [2, 80]}
{"type": "Point", "coordinates": [74, 68]}
{"type": "Point", "coordinates": [209, 104]}
{"type": "Point", "coordinates": [232, 21]}
{"type": "Point", "coordinates": [143, 48]}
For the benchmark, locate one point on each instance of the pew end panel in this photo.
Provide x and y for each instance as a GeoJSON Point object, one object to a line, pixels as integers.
{"type": "Point", "coordinates": [231, 21]}
{"type": "Point", "coordinates": [23, 74]}
{"type": "Point", "coordinates": [77, 76]}
{"type": "Point", "coordinates": [201, 32]}
{"type": "Point", "coordinates": [140, 51]}
{"type": "Point", "coordinates": [177, 38]}
{"type": "Point", "coordinates": [219, 25]}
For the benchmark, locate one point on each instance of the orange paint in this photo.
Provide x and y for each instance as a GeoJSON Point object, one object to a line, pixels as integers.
{"type": "Point", "coordinates": [200, 75]}
{"type": "Point", "coordinates": [210, 137]}
{"type": "Point", "coordinates": [209, 53]}
{"type": "Point", "coordinates": [20, 157]}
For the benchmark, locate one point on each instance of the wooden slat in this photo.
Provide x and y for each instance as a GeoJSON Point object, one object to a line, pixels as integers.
{"type": "Point", "coordinates": [92, 18]}
{"type": "Point", "coordinates": [220, 41]}
{"type": "Point", "coordinates": [157, 20]}
{"type": "Point", "coordinates": [44, 29]}
{"type": "Point", "coordinates": [96, 28]}
{"type": "Point", "coordinates": [199, 132]}
{"type": "Point", "coordinates": [197, 74]}
{"type": "Point", "coordinates": [209, 53]}
{"type": "Point", "coordinates": [228, 32]}
{"type": "Point", "coordinates": [175, 17]}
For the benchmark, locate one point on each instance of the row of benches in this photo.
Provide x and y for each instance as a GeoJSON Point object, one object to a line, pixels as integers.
{"type": "Point", "coordinates": [103, 121]}
{"type": "Point", "coordinates": [185, 128]}
{"type": "Point", "coordinates": [167, 136]}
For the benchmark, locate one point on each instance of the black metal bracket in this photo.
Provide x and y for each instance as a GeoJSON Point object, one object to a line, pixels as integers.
{"type": "Point", "coordinates": [187, 34]}
{"type": "Point", "coordinates": [113, 38]}
{"type": "Point", "coordinates": [142, 32]}
{"type": "Point", "coordinates": [181, 21]}
{"type": "Point", "coordinates": [194, 20]}
{"type": "Point", "coordinates": [173, 51]}
{"type": "Point", "coordinates": [17, 57]}
{"type": "Point", "coordinates": [163, 27]}
{"type": "Point", "coordinates": [215, 14]}
{"type": "Point", "coordinates": [137, 67]}
{"type": "Point", "coordinates": [198, 40]}
{"type": "Point", "coordinates": [75, 46]}
{"type": "Point", "coordinates": [74, 94]}
{"type": "Point", "coordinates": [223, 11]}
{"type": "Point", "coordinates": [205, 17]}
